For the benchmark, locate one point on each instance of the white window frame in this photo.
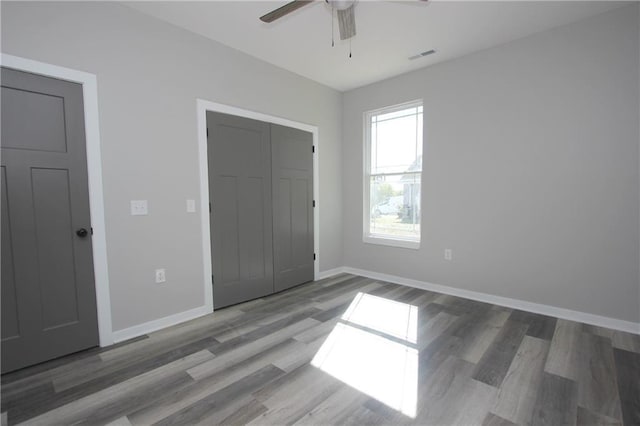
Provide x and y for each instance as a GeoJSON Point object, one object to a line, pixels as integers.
{"type": "Point", "coordinates": [367, 236]}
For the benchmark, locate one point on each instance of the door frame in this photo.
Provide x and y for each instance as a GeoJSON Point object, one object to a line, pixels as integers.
{"type": "Point", "coordinates": [202, 106]}
{"type": "Point", "coordinates": [94, 175]}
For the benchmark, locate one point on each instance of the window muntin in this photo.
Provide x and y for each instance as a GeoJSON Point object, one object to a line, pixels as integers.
{"type": "Point", "coordinates": [393, 167]}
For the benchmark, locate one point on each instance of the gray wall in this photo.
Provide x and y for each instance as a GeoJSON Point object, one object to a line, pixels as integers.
{"type": "Point", "coordinates": [149, 76]}
{"type": "Point", "coordinates": [530, 172]}
{"type": "Point", "coordinates": [531, 156]}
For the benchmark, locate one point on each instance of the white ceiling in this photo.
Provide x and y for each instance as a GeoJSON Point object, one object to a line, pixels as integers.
{"type": "Point", "coordinates": [388, 32]}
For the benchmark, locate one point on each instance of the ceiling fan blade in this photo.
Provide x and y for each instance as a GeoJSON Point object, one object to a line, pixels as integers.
{"type": "Point", "coordinates": [347, 22]}
{"type": "Point", "coordinates": [284, 10]}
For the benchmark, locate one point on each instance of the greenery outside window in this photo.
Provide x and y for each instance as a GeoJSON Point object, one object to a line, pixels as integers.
{"type": "Point", "coordinates": [393, 175]}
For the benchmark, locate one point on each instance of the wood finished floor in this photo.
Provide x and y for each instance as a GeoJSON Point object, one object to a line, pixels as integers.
{"type": "Point", "coordinates": [409, 357]}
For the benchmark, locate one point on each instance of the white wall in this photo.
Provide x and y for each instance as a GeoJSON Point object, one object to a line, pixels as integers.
{"type": "Point", "coordinates": [149, 76]}
{"type": "Point", "coordinates": [530, 169]}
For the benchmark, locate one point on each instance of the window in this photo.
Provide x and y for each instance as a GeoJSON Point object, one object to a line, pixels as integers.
{"type": "Point", "coordinates": [393, 174]}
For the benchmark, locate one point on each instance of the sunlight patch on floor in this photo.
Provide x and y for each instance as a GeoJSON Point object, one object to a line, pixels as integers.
{"type": "Point", "coordinates": [372, 350]}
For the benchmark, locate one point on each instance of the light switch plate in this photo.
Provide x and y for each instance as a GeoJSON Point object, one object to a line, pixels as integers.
{"type": "Point", "coordinates": [448, 254]}
{"type": "Point", "coordinates": [139, 208]}
{"type": "Point", "coordinates": [191, 206]}
{"type": "Point", "coordinates": [161, 276]}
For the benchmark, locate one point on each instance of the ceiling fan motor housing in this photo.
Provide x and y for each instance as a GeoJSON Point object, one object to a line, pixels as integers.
{"type": "Point", "coordinates": [342, 4]}
{"type": "Point", "coordinates": [347, 21]}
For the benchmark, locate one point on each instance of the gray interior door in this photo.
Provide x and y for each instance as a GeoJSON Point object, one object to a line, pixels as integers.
{"type": "Point", "coordinates": [239, 156]}
{"type": "Point", "coordinates": [292, 164]}
{"type": "Point", "coordinates": [48, 292]}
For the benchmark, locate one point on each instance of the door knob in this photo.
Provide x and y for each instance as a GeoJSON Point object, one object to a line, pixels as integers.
{"type": "Point", "coordinates": [82, 233]}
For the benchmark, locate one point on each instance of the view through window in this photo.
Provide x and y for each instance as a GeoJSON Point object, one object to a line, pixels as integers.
{"type": "Point", "coordinates": [393, 145]}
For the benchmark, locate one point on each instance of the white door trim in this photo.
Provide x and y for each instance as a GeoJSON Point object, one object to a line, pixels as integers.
{"type": "Point", "coordinates": [202, 107]}
{"type": "Point", "coordinates": [94, 170]}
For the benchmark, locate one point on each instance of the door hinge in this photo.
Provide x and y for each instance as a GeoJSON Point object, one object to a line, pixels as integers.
{"type": "Point", "coordinates": [91, 229]}
{"type": "Point", "coordinates": [314, 203]}
{"type": "Point", "coordinates": [209, 207]}
{"type": "Point", "coordinates": [207, 132]}
{"type": "Point", "coordinates": [313, 148]}
{"type": "Point", "coordinates": [211, 279]}
{"type": "Point", "coordinates": [314, 256]}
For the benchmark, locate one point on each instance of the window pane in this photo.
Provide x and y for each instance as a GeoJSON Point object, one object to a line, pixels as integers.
{"type": "Point", "coordinates": [396, 144]}
{"type": "Point", "coordinates": [394, 155]}
{"type": "Point", "coordinates": [395, 205]}
{"type": "Point", "coordinates": [396, 114]}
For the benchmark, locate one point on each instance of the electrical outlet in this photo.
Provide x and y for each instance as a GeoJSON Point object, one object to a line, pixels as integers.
{"type": "Point", "coordinates": [448, 254]}
{"type": "Point", "coordinates": [160, 276]}
{"type": "Point", "coordinates": [139, 208]}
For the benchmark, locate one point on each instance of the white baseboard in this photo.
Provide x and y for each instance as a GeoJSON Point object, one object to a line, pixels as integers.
{"type": "Point", "coordinates": [155, 325]}
{"type": "Point", "coordinates": [330, 273]}
{"type": "Point", "coordinates": [613, 323]}
{"type": "Point", "coordinates": [568, 314]}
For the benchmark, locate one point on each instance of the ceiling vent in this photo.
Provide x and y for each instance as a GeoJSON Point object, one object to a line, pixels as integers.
{"type": "Point", "coordinates": [420, 55]}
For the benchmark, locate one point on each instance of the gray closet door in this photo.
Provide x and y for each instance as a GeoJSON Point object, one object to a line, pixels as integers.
{"type": "Point", "coordinates": [48, 292]}
{"type": "Point", "coordinates": [239, 155]}
{"type": "Point", "coordinates": [292, 162]}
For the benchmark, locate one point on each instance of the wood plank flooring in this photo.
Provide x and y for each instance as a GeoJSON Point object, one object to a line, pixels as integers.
{"type": "Point", "coordinates": [344, 350]}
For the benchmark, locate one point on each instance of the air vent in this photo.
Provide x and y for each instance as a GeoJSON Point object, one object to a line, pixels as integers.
{"type": "Point", "coordinates": [420, 55]}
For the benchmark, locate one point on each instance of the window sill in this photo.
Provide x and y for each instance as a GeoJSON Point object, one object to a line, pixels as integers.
{"type": "Point", "coordinates": [392, 242]}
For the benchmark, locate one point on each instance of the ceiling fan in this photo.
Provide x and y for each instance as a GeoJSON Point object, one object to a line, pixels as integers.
{"type": "Point", "coordinates": [345, 8]}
